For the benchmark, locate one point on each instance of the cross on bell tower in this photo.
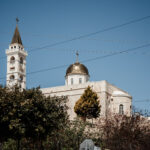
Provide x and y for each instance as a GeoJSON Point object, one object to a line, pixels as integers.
{"type": "Point", "coordinates": [17, 20]}
{"type": "Point", "coordinates": [16, 61]}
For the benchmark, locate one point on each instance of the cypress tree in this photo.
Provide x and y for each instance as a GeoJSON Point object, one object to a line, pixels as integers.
{"type": "Point", "coordinates": [88, 105]}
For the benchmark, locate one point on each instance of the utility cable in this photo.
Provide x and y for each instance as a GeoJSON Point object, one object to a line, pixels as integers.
{"type": "Point", "coordinates": [93, 33]}
{"type": "Point", "coordinates": [89, 34]}
{"type": "Point", "coordinates": [89, 60]}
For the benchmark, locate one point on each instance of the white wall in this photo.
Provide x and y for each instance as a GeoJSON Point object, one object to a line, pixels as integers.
{"type": "Point", "coordinates": [76, 78]}
{"type": "Point", "coordinates": [104, 91]}
{"type": "Point", "coordinates": [116, 101]}
{"type": "Point", "coordinates": [19, 69]}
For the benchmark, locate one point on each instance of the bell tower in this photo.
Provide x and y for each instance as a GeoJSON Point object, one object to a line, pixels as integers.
{"type": "Point", "coordinates": [16, 61]}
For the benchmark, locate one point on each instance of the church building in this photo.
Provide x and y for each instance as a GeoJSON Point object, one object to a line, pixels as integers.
{"type": "Point", "coordinates": [112, 99]}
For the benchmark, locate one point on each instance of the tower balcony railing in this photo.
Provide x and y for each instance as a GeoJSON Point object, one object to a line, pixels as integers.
{"type": "Point", "coordinates": [11, 51]}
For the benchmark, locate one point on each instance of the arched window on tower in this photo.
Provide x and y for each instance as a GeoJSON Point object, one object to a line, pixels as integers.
{"type": "Point", "coordinates": [12, 77]}
{"type": "Point", "coordinates": [12, 59]}
{"type": "Point", "coordinates": [121, 111]}
{"type": "Point", "coordinates": [21, 78]}
{"type": "Point", "coordinates": [21, 60]}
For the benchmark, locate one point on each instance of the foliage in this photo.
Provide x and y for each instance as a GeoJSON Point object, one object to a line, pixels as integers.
{"type": "Point", "coordinates": [29, 120]}
{"type": "Point", "coordinates": [43, 114]}
{"type": "Point", "coordinates": [88, 105]}
{"type": "Point", "coordinates": [70, 137]}
{"type": "Point", "coordinates": [10, 144]}
{"type": "Point", "coordinates": [123, 132]}
{"type": "Point", "coordinates": [75, 134]}
{"type": "Point", "coordinates": [5, 108]}
{"type": "Point", "coordinates": [29, 114]}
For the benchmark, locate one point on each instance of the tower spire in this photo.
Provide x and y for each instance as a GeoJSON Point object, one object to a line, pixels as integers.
{"type": "Point", "coordinates": [16, 61]}
{"type": "Point", "coordinates": [16, 37]}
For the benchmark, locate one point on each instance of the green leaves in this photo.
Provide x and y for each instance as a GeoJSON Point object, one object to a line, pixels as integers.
{"type": "Point", "coordinates": [88, 105]}
{"type": "Point", "coordinates": [29, 114]}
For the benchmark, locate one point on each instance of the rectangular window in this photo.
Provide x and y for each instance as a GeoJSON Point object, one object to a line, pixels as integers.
{"type": "Point", "coordinates": [80, 80]}
{"type": "Point", "coordinates": [87, 79]}
{"type": "Point", "coordinates": [121, 111]}
{"type": "Point", "coordinates": [71, 81]}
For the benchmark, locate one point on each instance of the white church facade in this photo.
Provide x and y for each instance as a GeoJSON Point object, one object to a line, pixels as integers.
{"type": "Point", "coordinates": [112, 99]}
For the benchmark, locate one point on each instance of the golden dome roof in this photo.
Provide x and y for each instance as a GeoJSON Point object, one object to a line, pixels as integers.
{"type": "Point", "coordinates": [77, 68]}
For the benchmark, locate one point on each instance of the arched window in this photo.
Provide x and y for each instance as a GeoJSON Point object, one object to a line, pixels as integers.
{"type": "Point", "coordinates": [21, 78]}
{"type": "Point", "coordinates": [80, 80]}
{"type": "Point", "coordinates": [86, 79]}
{"type": "Point", "coordinates": [121, 111]}
{"type": "Point", "coordinates": [12, 59]}
{"type": "Point", "coordinates": [71, 81]}
{"type": "Point", "coordinates": [12, 77]}
{"type": "Point", "coordinates": [21, 60]}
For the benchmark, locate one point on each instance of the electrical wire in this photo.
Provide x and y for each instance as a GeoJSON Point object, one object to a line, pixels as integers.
{"type": "Point", "coordinates": [89, 34]}
{"type": "Point", "coordinates": [93, 33]}
{"type": "Point", "coordinates": [89, 60]}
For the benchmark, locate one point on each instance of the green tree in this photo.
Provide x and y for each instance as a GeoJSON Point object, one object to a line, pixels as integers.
{"type": "Point", "coordinates": [70, 137]}
{"type": "Point", "coordinates": [88, 105]}
{"type": "Point", "coordinates": [29, 116]}
{"type": "Point", "coordinates": [5, 107]}
{"type": "Point", "coordinates": [11, 125]}
{"type": "Point", "coordinates": [42, 115]}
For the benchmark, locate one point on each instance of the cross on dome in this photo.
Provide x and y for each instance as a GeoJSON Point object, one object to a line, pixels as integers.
{"type": "Point", "coordinates": [77, 56]}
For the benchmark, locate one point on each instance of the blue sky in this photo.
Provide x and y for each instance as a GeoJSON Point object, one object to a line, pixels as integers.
{"type": "Point", "coordinates": [46, 22]}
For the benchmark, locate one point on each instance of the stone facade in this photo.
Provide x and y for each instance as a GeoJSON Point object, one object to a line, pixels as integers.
{"type": "Point", "coordinates": [112, 99]}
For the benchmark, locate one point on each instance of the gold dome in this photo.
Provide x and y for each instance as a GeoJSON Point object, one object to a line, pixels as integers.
{"type": "Point", "coordinates": [77, 68]}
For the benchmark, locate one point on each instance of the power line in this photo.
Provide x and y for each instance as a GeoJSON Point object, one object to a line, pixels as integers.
{"type": "Point", "coordinates": [89, 60]}
{"type": "Point", "coordinates": [117, 53]}
{"type": "Point", "coordinates": [93, 33]}
{"type": "Point", "coordinates": [89, 34]}
{"type": "Point", "coordinates": [52, 68]}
